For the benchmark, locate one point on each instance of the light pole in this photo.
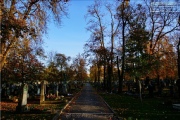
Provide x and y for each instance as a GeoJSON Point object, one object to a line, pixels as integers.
{"type": "Point", "coordinates": [178, 50]}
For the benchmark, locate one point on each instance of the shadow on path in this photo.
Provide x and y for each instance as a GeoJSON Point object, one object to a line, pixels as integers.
{"type": "Point", "coordinates": [87, 105]}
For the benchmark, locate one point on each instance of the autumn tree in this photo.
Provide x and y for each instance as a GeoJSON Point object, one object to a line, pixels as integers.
{"type": "Point", "coordinates": [57, 66]}
{"type": "Point", "coordinates": [165, 59]}
{"type": "Point", "coordinates": [136, 54]}
{"type": "Point", "coordinates": [103, 27]}
{"type": "Point", "coordinates": [93, 73]}
{"type": "Point", "coordinates": [29, 17]}
{"type": "Point", "coordinates": [156, 24]}
{"type": "Point", "coordinates": [160, 24]}
{"type": "Point", "coordinates": [96, 57]}
{"type": "Point", "coordinates": [113, 33]}
{"type": "Point", "coordinates": [79, 66]}
{"type": "Point", "coordinates": [96, 45]}
{"type": "Point", "coordinates": [123, 14]}
{"type": "Point", "coordinates": [52, 73]}
{"type": "Point", "coordinates": [61, 62]}
{"type": "Point", "coordinates": [22, 64]}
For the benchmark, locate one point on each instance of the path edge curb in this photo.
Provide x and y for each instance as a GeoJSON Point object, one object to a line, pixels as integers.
{"type": "Point", "coordinates": [61, 111]}
{"type": "Point", "coordinates": [117, 118]}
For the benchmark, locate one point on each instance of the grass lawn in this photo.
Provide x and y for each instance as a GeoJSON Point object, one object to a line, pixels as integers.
{"type": "Point", "coordinates": [131, 108]}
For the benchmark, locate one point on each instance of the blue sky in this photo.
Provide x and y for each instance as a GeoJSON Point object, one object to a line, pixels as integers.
{"type": "Point", "coordinates": [71, 36]}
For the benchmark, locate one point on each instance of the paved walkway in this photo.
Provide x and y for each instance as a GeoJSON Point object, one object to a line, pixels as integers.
{"type": "Point", "coordinates": [87, 105]}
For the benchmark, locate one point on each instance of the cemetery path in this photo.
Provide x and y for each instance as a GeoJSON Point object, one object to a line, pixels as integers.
{"type": "Point", "coordinates": [87, 105]}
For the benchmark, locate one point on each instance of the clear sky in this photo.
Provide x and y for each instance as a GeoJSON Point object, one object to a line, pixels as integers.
{"type": "Point", "coordinates": [71, 36]}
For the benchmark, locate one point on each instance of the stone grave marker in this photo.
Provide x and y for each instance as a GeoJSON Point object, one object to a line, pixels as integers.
{"type": "Point", "coordinates": [42, 96]}
{"type": "Point", "coordinates": [64, 88]}
{"type": "Point", "coordinates": [38, 91]}
{"type": "Point", "coordinates": [25, 95]}
{"type": "Point", "coordinates": [22, 102]}
{"type": "Point", "coordinates": [57, 88]}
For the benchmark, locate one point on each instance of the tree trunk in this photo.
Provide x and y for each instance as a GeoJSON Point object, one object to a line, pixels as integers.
{"type": "Point", "coordinates": [105, 82]}
{"type": "Point", "coordinates": [123, 54]}
{"type": "Point", "coordinates": [119, 76]}
{"type": "Point", "coordinates": [109, 78]}
{"type": "Point", "coordinates": [99, 73]}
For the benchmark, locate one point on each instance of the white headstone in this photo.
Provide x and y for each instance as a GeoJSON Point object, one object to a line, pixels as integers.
{"type": "Point", "coordinates": [25, 95]}
{"type": "Point", "coordinates": [64, 89]}
{"type": "Point", "coordinates": [38, 91]}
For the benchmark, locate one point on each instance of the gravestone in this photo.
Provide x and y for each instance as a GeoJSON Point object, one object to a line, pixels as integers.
{"type": "Point", "coordinates": [25, 95]}
{"type": "Point", "coordinates": [38, 91]}
{"type": "Point", "coordinates": [22, 102]}
{"type": "Point", "coordinates": [140, 88]}
{"type": "Point", "coordinates": [57, 88]}
{"type": "Point", "coordinates": [54, 88]}
{"type": "Point", "coordinates": [42, 96]}
{"type": "Point", "coordinates": [64, 88]}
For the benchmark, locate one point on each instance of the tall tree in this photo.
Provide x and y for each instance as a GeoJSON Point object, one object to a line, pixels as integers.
{"type": "Point", "coordinates": [166, 59]}
{"type": "Point", "coordinates": [160, 24]}
{"type": "Point", "coordinates": [123, 14]}
{"type": "Point", "coordinates": [96, 45]}
{"type": "Point", "coordinates": [61, 62]}
{"type": "Point", "coordinates": [79, 66]}
{"type": "Point", "coordinates": [26, 17]}
{"type": "Point", "coordinates": [114, 30]}
{"type": "Point", "coordinates": [103, 27]}
{"type": "Point", "coordinates": [136, 44]}
{"type": "Point", "coordinates": [52, 73]}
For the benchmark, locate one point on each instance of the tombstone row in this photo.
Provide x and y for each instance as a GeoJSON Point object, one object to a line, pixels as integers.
{"type": "Point", "coordinates": [9, 90]}
{"type": "Point", "coordinates": [24, 91]}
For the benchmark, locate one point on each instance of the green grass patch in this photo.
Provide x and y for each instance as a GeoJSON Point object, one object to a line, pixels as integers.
{"type": "Point", "coordinates": [131, 108]}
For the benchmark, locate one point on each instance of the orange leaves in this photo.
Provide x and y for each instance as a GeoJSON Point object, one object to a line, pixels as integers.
{"type": "Point", "coordinates": [10, 106]}
{"type": "Point", "coordinates": [5, 106]}
{"type": "Point", "coordinates": [19, 22]}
